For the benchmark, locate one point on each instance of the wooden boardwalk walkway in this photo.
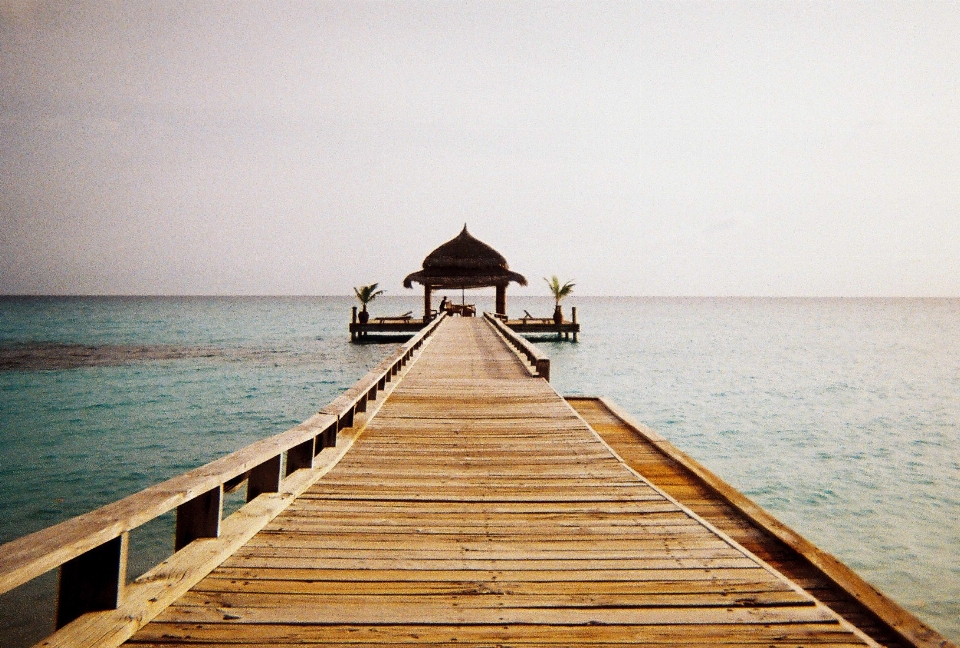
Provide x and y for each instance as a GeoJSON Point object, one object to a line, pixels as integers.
{"type": "Point", "coordinates": [817, 572]}
{"type": "Point", "coordinates": [478, 508]}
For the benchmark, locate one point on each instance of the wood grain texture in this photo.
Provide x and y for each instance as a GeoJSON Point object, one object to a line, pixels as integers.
{"type": "Point", "coordinates": [478, 508]}
{"type": "Point", "coordinates": [729, 510]}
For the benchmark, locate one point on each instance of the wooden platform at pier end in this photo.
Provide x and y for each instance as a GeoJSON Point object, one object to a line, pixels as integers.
{"type": "Point", "coordinates": [478, 508]}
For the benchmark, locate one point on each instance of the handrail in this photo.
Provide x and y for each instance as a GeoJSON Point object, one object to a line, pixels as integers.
{"type": "Point", "coordinates": [30, 556]}
{"type": "Point", "coordinates": [536, 357]}
{"type": "Point", "coordinates": [355, 398]}
{"type": "Point", "coordinates": [79, 545]}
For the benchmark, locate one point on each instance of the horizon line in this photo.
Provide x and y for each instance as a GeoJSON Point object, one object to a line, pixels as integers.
{"type": "Point", "coordinates": [418, 295]}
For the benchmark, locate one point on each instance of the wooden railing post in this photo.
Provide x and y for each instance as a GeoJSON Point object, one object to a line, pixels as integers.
{"type": "Point", "coordinates": [265, 478]}
{"type": "Point", "coordinates": [328, 438]}
{"type": "Point", "coordinates": [93, 581]}
{"type": "Point", "coordinates": [300, 456]}
{"type": "Point", "coordinates": [543, 368]}
{"type": "Point", "coordinates": [199, 518]}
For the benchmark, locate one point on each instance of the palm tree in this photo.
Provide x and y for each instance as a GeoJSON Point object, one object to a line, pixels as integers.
{"type": "Point", "coordinates": [366, 294]}
{"type": "Point", "coordinates": [559, 292]}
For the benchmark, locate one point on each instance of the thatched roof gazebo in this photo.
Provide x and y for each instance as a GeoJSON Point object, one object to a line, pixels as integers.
{"type": "Point", "coordinates": [464, 262]}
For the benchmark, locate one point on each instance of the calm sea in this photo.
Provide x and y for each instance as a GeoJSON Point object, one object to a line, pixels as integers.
{"type": "Point", "coordinates": [840, 416]}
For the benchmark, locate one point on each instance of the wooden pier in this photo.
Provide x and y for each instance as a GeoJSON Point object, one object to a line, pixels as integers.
{"type": "Point", "coordinates": [452, 497]}
{"type": "Point", "coordinates": [545, 326]}
{"type": "Point", "coordinates": [380, 328]}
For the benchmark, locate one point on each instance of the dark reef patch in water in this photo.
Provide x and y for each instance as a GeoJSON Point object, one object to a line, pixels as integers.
{"type": "Point", "coordinates": [53, 356]}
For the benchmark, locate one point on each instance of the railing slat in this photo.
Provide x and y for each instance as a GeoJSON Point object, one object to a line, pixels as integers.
{"type": "Point", "coordinates": [93, 581]}
{"type": "Point", "coordinates": [265, 478]}
{"type": "Point", "coordinates": [199, 518]}
{"type": "Point", "coordinates": [300, 456]}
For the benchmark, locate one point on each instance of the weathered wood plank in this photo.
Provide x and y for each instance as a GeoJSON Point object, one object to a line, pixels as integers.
{"type": "Point", "coordinates": [467, 599]}
{"type": "Point", "coordinates": [822, 635]}
{"type": "Point", "coordinates": [423, 612]}
{"type": "Point", "coordinates": [495, 576]}
{"type": "Point", "coordinates": [729, 586]}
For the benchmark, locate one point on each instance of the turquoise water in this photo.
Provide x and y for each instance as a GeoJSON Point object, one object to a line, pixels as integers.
{"type": "Point", "coordinates": [839, 416]}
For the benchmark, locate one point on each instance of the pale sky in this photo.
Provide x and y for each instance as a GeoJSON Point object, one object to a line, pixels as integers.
{"type": "Point", "coordinates": [639, 148]}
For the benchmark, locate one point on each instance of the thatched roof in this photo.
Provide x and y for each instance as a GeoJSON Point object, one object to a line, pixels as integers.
{"type": "Point", "coordinates": [464, 262]}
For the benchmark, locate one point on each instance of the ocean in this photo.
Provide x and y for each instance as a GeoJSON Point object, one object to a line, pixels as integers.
{"type": "Point", "coordinates": [839, 416]}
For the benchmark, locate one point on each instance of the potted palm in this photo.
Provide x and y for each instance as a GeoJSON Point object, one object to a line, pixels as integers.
{"type": "Point", "coordinates": [366, 294]}
{"type": "Point", "coordinates": [559, 292]}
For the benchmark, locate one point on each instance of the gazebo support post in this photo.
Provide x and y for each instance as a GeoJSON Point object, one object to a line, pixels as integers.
{"type": "Point", "coordinates": [501, 299]}
{"type": "Point", "coordinates": [427, 303]}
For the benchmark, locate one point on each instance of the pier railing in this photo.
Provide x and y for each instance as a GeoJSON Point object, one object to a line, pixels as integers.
{"type": "Point", "coordinates": [537, 358]}
{"type": "Point", "coordinates": [91, 549]}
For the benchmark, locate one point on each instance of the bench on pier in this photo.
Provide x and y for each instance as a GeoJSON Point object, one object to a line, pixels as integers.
{"type": "Point", "coordinates": [530, 319]}
{"type": "Point", "coordinates": [386, 328]}
{"type": "Point", "coordinates": [528, 324]}
{"type": "Point", "coordinates": [396, 319]}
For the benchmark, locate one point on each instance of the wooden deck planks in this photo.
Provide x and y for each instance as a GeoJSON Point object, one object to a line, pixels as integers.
{"type": "Point", "coordinates": [674, 478]}
{"type": "Point", "coordinates": [477, 508]}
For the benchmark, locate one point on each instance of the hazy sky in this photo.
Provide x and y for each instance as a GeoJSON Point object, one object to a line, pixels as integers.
{"type": "Point", "coordinates": [640, 148]}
